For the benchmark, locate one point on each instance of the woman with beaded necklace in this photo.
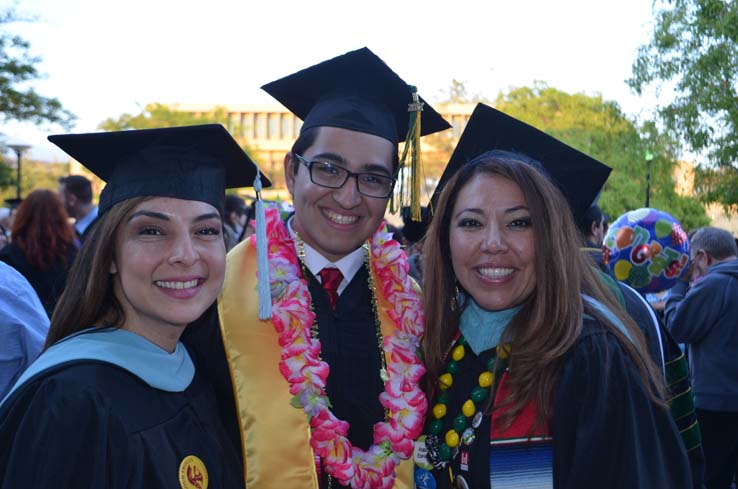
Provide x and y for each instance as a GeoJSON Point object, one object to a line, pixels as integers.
{"type": "Point", "coordinates": [535, 375]}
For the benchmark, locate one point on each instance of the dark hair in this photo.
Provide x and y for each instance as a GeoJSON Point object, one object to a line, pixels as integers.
{"type": "Point", "coordinates": [79, 186]}
{"type": "Point", "coordinates": [307, 138]}
{"type": "Point", "coordinates": [716, 242]}
{"type": "Point", "coordinates": [233, 203]}
{"type": "Point", "coordinates": [592, 215]}
{"type": "Point", "coordinates": [550, 320]}
{"type": "Point", "coordinates": [42, 231]}
{"type": "Point", "coordinates": [88, 299]}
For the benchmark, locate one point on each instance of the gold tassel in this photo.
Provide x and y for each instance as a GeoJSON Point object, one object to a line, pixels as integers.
{"type": "Point", "coordinates": [412, 149]}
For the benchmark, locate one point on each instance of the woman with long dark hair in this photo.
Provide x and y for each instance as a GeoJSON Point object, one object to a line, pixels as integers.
{"type": "Point", "coordinates": [536, 376]}
{"type": "Point", "coordinates": [115, 400]}
{"type": "Point", "coordinates": [42, 247]}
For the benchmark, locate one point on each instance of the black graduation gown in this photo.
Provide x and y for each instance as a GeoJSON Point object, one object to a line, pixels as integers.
{"type": "Point", "coordinates": [348, 345]}
{"type": "Point", "coordinates": [88, 424]}
{"type": "Point", "coordinates": [348, 338]}
{"type": "Point", "coordinates": [606, 433]}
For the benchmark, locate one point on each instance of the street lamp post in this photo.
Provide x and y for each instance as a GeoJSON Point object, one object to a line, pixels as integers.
{"type": "Point", "coordinates": [649, 158]}
{"type": "Point", "coordinates": [19, 149]}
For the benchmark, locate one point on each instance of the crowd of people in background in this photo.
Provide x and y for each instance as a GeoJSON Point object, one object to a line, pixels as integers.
{"type": "Point", "coordinates": [496, 347]}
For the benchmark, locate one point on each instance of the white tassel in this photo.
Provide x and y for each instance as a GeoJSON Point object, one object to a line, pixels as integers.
{"type": "Point", "coordinates": [262, 258]}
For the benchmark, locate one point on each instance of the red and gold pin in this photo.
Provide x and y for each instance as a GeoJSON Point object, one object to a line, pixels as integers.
{"type": "Point", "coordinates": [192, 473]}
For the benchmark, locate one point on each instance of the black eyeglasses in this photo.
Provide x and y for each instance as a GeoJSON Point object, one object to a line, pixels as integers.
{"type": "Point", "coordinates": [333, 176]}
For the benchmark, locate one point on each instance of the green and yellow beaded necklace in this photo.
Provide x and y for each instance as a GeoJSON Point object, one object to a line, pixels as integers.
{"type": "Point", "coordinates": [442, 451]}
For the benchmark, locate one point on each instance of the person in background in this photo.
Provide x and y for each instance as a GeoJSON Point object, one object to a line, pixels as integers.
{"type": "Point", "coordinates": [76, 193]}
{"type": "Point", "coordinates": [591, 225]}
{"type": "Point", "coordinates": [249, 228]}
{"type": "Point", "coordinates": [537, 375]}
{"type": "Point", "coordinates": [413, 233]}
{"type": "Point", "coordinates": [605, 223]}
{"type": "Point", "coordinates": [115, 400]}
{"type": "Point", "coordinates": [43, 245]}
{"type": "Point", "coordinates": [4, 226]}
{"type": "Point", "coordinates": [704, 317]}
{"type": "Point", "coordinates": [23, 326]}
{"type": "Point", "coordinates": [12, 206]}
{"type": "Point", "coordinates": [234, 220]}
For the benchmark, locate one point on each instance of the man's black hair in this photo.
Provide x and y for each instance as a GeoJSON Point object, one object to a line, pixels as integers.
{"type": "Point", "coordinates": [78, 186]}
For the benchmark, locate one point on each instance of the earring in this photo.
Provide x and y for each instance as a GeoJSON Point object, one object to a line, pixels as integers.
{"type": "Point", "coordinates": [455, 299]}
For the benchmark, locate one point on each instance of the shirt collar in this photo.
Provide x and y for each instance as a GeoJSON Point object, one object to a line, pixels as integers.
{"type": "Point", "coordinates": [81, 224]}
{"type": "Point", "coordinates": [315, 262]}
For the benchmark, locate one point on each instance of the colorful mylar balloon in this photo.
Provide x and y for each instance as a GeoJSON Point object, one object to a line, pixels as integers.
{"type": "Point", "coordinates": [647, 249]}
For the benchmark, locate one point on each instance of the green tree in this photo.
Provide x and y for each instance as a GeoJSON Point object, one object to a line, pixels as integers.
{"type": "Point", "coordinates": [600, 129]}
{"type": "Point", "coordinates": [161, 115]}
{"type": "Point", "coordinates": [18, 101]}
{"type": "Point", "coordinates": [7, 177]}
{"type": "Point", "coordinates": [457, 93]}
{"type": "Point", "coordinates": [693, 51]}
{"type": "Point", "coordinates": [36, 175]}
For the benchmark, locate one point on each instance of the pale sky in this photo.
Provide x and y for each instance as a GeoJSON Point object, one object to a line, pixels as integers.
{"type": "Point", "coordinates": [103, 58]}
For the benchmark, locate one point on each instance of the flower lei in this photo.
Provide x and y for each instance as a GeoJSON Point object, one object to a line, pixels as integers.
{"type": "Point", "coordinates": [306, 373]}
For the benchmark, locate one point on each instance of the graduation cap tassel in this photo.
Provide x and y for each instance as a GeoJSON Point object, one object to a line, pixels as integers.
{"type": "Point", "coordinates": [412, 148]}
{"type": "Point", "coordinates": [416, 160]}
{"type": "Point", "coordinates": [262, 258]}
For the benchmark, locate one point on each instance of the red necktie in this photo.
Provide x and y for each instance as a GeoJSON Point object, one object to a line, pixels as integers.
{"type": "Point", "coordinates": [331, 279]}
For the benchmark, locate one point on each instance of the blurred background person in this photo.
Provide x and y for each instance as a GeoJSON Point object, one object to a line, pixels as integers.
{"type": "Point", "coordinates": [4, 226]}
{"type": "Point", "coordinates": [605, 223]}
{"type": "Point", "coordinates": [249, 226]}
{"type": "Point", "coordinates": [704, 316]}
{"type": "Point", "coordinates": [43, 245]}
{"type": "Point", "coordinates": [413, 233]}
{"type": "Point", "coordinates": [23, 326]}
{"type": "Point", "coordinates": [76, 193]}
{"type": "Point", "coordinates": [234, 219]}
{"type": "Point", "coordinates": [592, 226]}
{"type": "Point", "coordinates": [12, 206]}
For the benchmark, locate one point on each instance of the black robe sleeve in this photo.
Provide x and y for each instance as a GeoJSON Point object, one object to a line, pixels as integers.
{"type": "Point", "coordinates": [607, 432]}
{"type": "Point", "coordinates": [63, 440]}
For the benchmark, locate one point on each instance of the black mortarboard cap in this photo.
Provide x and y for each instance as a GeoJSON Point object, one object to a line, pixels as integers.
{"type": "Point", "coordinates": [191, 162]}
{"type": "Point", "coordinates": [355, 91]}
{"type": "Point", "coordinates": [580, 177]}
{"type": "Point", "coordinates": [412, 230]}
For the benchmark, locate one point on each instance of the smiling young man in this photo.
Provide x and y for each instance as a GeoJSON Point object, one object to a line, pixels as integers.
{"type": "Point", "coordinates": [325, 393]}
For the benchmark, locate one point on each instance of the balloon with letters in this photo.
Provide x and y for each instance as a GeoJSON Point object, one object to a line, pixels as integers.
{"type": "Point", "coordinates": [647, 249]}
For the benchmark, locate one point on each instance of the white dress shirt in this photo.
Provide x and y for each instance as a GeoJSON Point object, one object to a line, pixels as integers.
{"type": "Point", "coordinates": [315, 262]}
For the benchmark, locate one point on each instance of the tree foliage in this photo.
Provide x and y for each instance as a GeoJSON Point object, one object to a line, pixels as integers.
{"type": "Point", "coordinates": [160, 115]}
{"type": "Point", "coordinates": [457, 93]}
{"type": "Point", "coordinates": [35, 175]}
{"type": "Point", "coordinates": [18, 101]}
{"type": "Point", "coordinates": [694, 51]}
{"type": "Point", "coordinates": [600, 129]}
